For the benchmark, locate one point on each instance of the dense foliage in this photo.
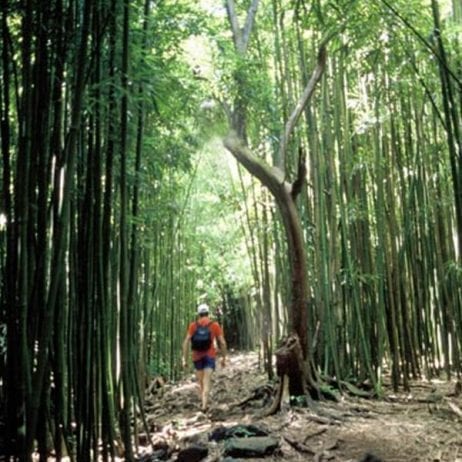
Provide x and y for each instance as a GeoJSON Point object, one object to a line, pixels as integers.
{"type": "Point", "coordinates": [121, 210]}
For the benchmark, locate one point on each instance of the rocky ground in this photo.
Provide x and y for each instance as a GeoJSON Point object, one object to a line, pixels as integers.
{"type": "Point", "coordinates": [422, 425]}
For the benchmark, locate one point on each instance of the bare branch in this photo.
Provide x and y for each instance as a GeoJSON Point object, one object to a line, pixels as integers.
{"type": "Point", "coordinates": [301, 175]}
{"type": "Point", "coordinates": [234, 22]}
{"type": "Point", "coordinates": [241, 37]}
{"type": "Point", "coordinates": [271, 177]}
{"type": "Point", "coordinates": [302, 102]}
{"type": "Point", "coordinates": [249, 21]}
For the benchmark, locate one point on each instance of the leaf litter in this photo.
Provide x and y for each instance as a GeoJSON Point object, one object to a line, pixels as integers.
{"type": "Point", "coordinates": [420, 425]}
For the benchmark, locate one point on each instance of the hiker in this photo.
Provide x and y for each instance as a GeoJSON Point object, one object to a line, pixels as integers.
{"type": "Point", "coordinates": [202, 334]}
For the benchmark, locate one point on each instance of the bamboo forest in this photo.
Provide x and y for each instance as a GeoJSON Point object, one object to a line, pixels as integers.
{"type": "Point", "coordinates": [293, 166]}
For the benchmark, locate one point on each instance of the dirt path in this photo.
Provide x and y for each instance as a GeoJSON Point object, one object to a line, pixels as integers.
{"type": "Point", "coordinates": [400, 427]}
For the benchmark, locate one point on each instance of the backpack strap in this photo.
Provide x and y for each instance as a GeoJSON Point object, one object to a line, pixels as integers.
{"type": "Point", "coordinates": [198, 324]}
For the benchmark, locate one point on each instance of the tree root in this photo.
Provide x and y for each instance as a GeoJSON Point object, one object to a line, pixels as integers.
{"type": "Point", "coordinates": [296, 379]}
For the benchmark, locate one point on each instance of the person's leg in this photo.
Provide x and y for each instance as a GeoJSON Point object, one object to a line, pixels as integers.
{"type": "Point", "coordinates": [209, 367]}
{"type": "Point", "coordinates": [206, 381]}
{"type": "Point", "coordinates": [199, 366]}
{"type": "Point", "coordinates": [200, 380]}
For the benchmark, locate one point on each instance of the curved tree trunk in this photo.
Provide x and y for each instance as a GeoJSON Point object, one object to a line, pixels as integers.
{"type": "Point", "coordinates": [282, 192]}
{"type": "Point", "coordinates": [285, 194]}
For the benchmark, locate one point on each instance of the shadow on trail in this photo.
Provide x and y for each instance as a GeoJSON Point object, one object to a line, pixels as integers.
{"type": "Point", "coordinates": [397, 428]}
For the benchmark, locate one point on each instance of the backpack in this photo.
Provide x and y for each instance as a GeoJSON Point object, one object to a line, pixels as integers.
{"type": "Point", "coordinates": [201, 340]}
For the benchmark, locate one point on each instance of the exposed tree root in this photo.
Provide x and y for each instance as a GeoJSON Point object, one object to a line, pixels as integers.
{"type": "Point", "coordinates": [295, 377]}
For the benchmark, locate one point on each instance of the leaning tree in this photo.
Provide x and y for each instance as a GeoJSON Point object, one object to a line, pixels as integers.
{"type": "Point", "coordinates": [294, 359]}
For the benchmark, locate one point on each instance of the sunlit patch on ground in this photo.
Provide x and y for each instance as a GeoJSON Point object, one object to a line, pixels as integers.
{"type": "Point", "coordinates": [402, 427]}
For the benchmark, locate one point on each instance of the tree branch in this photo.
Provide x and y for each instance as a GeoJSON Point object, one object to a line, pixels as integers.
{"type": "Point", "coordinates": [233, 21]}
{"type": "Point", "coordinates": [271, 177]}
{"type": "Point", "coordinates": [301, 175]}
{"type": "Point", "coordinates": [249, 21]}
{"type": "Point", "coordinates": [302, 102]}
{"type": "Point", "coordinates": [241, 37]}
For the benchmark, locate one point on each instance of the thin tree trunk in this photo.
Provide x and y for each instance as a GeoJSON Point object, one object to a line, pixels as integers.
{"type": "Point", "coordinates": [125, 308]}
{"type": "Point", "coordinates": [60, 234]}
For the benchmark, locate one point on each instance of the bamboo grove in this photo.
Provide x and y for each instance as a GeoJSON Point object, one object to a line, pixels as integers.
{"type": "Point", "coordinates": [111, 228]}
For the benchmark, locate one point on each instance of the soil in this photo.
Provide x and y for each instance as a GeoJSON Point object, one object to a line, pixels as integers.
{"type": "Point", "coordinates": [421, 425]}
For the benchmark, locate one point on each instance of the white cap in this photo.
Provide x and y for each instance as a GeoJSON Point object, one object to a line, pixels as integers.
{"type": "Point", "coordinates": [202, 308]}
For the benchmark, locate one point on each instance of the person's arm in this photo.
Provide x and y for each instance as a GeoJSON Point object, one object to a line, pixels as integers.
{"type": "Point", "coordinates": [185, 349]}
{"type": "Point", "coordinates": [223, 349]}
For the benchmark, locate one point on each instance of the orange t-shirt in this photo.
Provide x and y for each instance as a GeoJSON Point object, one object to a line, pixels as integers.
{"type": "Point", "coordinates": [215, 330]}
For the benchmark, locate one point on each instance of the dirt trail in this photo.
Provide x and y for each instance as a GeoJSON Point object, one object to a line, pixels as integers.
{"type": "Point", "coordinates": [424, 425]}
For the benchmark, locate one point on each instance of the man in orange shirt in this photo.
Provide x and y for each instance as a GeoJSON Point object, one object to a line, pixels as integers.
{"type": "Point", "coordinates": [202, 335]}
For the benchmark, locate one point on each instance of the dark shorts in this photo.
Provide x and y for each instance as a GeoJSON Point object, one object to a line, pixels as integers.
{"type": "Point", "coordinates": [206, 362]}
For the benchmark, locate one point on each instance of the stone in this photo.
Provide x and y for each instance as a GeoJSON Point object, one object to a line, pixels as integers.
{"type": "Point", "coordinates": [193, 453]}
{"type": "Point", "coordinates": [237, 431]}
{"type": "Point", "coordinates": [253, 446]}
